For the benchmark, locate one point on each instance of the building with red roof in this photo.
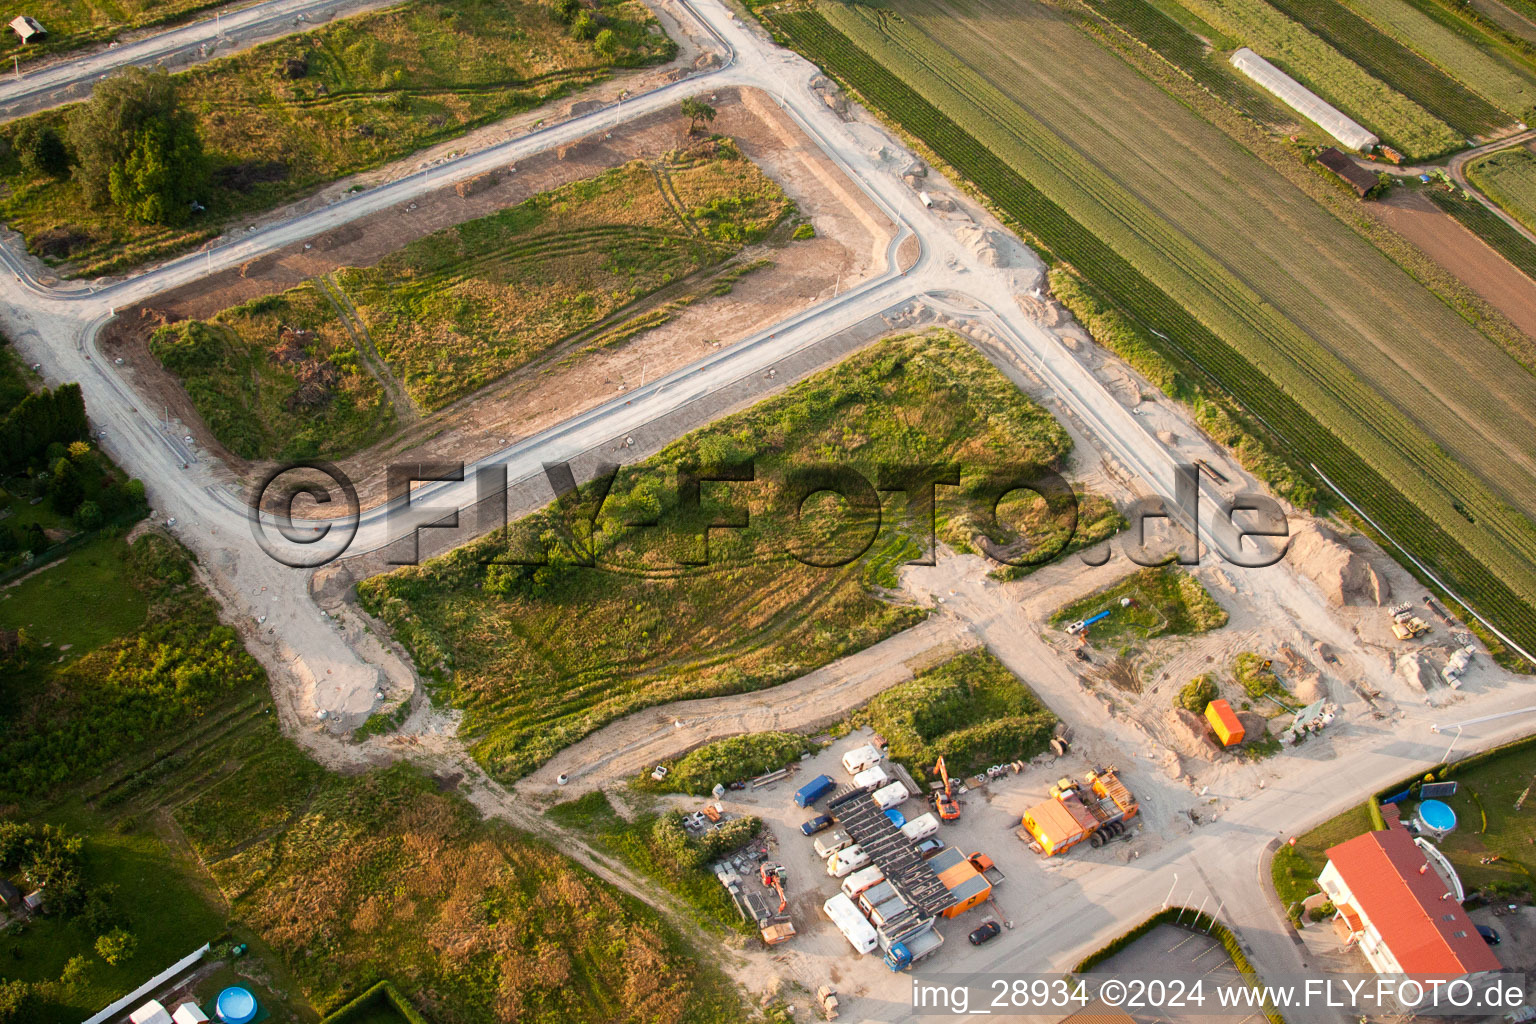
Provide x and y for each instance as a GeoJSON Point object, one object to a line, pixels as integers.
{"type": "Point", "coordinates": [1398, 909]}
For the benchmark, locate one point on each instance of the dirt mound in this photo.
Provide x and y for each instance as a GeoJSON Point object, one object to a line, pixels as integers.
{"type": "Point", "coordinates": [1416, 671]}
{"type": "Point", "coordinates": [1344, 576]}
{"type": "Point", "coordinates": [1310, 688]}
{"type": "Point", "coordinates": [1255, 726]}
{"type": "Point", "coordinates": [1189, 734]}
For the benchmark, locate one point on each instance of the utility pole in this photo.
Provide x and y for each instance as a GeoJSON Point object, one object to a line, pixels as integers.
{"type": "Point", "coordinates": [17, 61]}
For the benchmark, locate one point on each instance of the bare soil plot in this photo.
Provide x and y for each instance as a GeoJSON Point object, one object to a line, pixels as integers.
{"type": "Point", "coordinates": [1463, 253]}
{"type": "Point", "coordinates": [850, 242]}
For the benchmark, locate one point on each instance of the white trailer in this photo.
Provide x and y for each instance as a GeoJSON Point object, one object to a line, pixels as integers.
{"type": "Point", "coordinates": [845, 862]}
{"type": "Point", "coordinates": [862, 879]}
{"type": "Point", "coordinates": [859, 932]}
{"type": "Point", "coordinates": [921, 828]}
{"type": "Point", "coordinates": [860, 758]}
{"type": "Point", "coordinates": [830, 843]}
{"type": "Point", "coordinates": [871, 778]}
{"type": "Point", "coordinates": [891, 796]}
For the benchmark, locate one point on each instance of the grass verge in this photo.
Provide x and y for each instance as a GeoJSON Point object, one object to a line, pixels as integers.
{"type": "Point", "coordinates": [1164, 601]}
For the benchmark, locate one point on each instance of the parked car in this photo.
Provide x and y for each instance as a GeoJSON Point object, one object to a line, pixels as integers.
{"type": "Point", "coordinates": [986, 933]}
{"type": "Point", "coordinates": [816, 824]}
{"type": "Point", "coordinates": [928, 847]}
{"type": "Point", "coordinates": [1489, 935]}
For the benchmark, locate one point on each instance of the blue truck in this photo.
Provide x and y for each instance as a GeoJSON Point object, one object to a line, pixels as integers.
{"type": "Point", "coordinates": [814, 790]}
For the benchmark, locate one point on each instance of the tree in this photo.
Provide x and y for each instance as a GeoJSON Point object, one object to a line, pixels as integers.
{"type": "Point", "coordinates": [565, 11]}
{"type": "Point", "coordinates": [41, 150]}
{"type": "Point", "coordinates": [136, 148]}
{"type": "Point", "coordinates": [78, 450]}
{"type": "Point", "coordinates": [584, 27]}
{"type": "Point", "coordinates": [65, 488]}
{"type": "Point", "coordinates": [606, 43]}
{"type": "Point", "coordinates": [698, 114]}
{"type": "Point", "coordinates": [116, 946]}
{"type": "Point", "coordinates": [89, 516]}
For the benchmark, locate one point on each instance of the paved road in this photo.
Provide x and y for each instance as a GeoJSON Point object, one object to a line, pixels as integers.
{"type": "Point", "coordinates": [71, 77]}
{"type": "Point", "coordinates": [58, 326]}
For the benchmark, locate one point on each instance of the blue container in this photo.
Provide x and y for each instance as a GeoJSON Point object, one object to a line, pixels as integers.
{"type": "Point", "coordinates": [235, 1005]}
{"type": "Point", "coordinates": [897, 818]}
{"type": "Point", "coordinates": [1436, 817]}
{"type": "Point", "coordinates": [814, 790]}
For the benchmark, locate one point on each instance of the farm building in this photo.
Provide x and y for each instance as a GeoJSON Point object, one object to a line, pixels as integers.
{"type": "Point", "coordinates": [1397, 908]}
{"type": "Point", "coordinates": [1305, 102]}
{"type": "Point", "coordinates": [27, 28]}
{"type": "Point", "coordinates": [1352, 174]}
{"type": "Point", "coordinates": [1224, 722]}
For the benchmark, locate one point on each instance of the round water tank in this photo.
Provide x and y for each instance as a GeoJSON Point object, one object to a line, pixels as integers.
{"type": "Point", "coordinates": [236, 1005]}
{"type": "Point", "coordinates": [1436, 818]}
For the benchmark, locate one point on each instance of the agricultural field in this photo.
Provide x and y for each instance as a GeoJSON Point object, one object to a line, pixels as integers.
{"type": "Point", "coordinates": [1505, 240]}
{"type": "Point", "coordinates": [1398, 120]}
{"type": "Point", "coordinates": [540, 657]}
{"type": "Point", "coordinates": [1508, 177]}
{"type": "Point", "coordinates": [1178, 227]}
{"type": "Point", "coordinates": [1442, 89]}
{"type": "Point", "coordinates": [322, 368]}
{"type": "Point", "coordinates": [971, 710]}
{"type": "Point", "coordinates": [75, 23]}
{"type": "Point", "coordinates": [284, 118]}
{"type": "Point", "coordinates": [1163, 602]}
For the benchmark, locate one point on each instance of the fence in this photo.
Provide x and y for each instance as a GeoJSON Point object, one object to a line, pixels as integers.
{"type": "Point", "coordinates": [149, 986]}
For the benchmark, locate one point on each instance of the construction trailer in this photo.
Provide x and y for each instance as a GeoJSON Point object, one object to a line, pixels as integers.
{"type": "Point", "coordinates": [846, 861]}
{"type": "Point", "coordinates": [854, 926]}
{"type": "Point", "coordinates": [1096, 812]}
{"type": "Point", "coordinates": [920, 828]}
{"type": "Point", "coordinates": [967, 886]}
{"type": "Point", "coordinates": [891, 796]}
{"type": "Point", "coordinates": [825, 846]}
{"type": "Point", "coordinates": [1224, 722]}
{"type": "Point", "coordinates": [862, 758]}
{"type": "Point", "coordinates": [871, 778]}
{"type": "Point", "coordinates": [862, 879]}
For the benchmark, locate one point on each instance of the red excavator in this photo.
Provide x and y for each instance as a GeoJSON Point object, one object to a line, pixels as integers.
{"type": "Point", "coordinates": [772, 876]}
{"type": "Point", "coordinates": [944, 801]}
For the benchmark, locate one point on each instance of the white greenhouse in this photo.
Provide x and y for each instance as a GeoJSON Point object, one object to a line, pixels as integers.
{"type": "Point", "coordinates": [1304, 101]}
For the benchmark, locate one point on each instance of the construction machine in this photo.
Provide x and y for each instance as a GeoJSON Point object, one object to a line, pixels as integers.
{"type": "Point", "coordinates": [773, 876]}
{"type": "Point", "coordinates": [944, 801]}
{"type": "Point", "coordinates": [1406, 625]}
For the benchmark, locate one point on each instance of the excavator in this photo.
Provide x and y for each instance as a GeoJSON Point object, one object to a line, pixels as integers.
{"type": "Point", "coordinates": [944, 801]}
{"type": "Point", "coordinates": [772, 876]}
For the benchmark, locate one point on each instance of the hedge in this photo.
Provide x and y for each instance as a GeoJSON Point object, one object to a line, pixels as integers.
{"type": "Point", "coordinates": [1197, 922]}
{"type": "Point", "coordinates": [384, 991]}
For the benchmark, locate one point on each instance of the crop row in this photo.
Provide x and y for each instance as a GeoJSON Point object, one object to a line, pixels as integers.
{"type": "Point", "coordinates": [1399, 121]}
{"type": "Point", "coordinates": [1481, 221]}
{"type": "Point", "coordinates": [1469, 112]}
{"type": "Point", "coordinates": [1374, 454]}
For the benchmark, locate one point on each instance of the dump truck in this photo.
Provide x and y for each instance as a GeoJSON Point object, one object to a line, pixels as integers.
{"type": "Point", "coordinates": [858, 931]}
{"type": "Point", "coordinates": [1097, 812]}
{"type": "Point", "coordinates": [920, 828]}
{"type": "Point", "coordinates": [846, 861]}
{"type": "Point", "coordinates": [814, 790]}
{"type": "Point", "coordinates": [909, 949]}
{"type": "Point", "coordinates": [830, 843]}
{"type": "Point", "coordinates": [1405, 624]}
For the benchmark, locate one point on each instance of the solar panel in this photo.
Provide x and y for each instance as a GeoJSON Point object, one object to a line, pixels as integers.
{"type": "Point", "coordinates": [1436, 790]}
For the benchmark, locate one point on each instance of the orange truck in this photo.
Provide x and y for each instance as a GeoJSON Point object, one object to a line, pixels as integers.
{"type": "Point", "coordinates": [1097, 812]}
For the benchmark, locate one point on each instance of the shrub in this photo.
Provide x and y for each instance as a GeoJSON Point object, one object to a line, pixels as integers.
{"type": "Point", "coordinates": [804, 231]}
{"type": "Point", "coordinates": [727, 760]}
{"type": "Point", "coordinates": [41, 150]}
{"type": "Point", "coordinates": [1197, 693]}
{"type": "Point", "coordinates": [116, 946]}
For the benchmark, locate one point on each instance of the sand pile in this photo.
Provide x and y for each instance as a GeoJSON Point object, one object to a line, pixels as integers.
{"type": "Point", "coordinates": [1188, 733]}
{"type": "Point", "coordinates": [1310, 688]}
{"type": "Point", "coordinates": [1344, 576]}
{"type": "Point", "coordinates": [1416, 671]}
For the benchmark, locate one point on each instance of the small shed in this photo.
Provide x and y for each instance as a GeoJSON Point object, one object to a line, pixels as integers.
{"type": "Point", "coordinates": [151, 1012]}
{"type": "Point", "coordinates": [1351, 173]}
{"type": "Point", "coordinates": [34, 901]}
{"type": "Point", "coordinates": [1224, 721]}
{"type": "Point", "coordinates": [27, 28]}
{"type": "Point", "coordinates": [191, 1013]}
{"type": "Point", "coordinates": [10, 896]}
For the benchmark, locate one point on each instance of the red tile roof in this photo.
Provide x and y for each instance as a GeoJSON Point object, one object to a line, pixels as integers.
{"type": "Point", "coordinates": [1395, 887]}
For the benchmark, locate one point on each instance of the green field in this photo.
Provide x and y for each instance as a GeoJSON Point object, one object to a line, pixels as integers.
{"type": "Point", "coordinates": [1164, 602]}
{"type": "Point", "coordinates": [1443, 90]}
{"type": "Point", "coordinates": [319, 369]}
{"type": "Point", "coordinates": [75, 23]}
{"type": "Point", "coordinates": [540, 658]}
{"type": "Point", "coordinates": [373, 89]}
{"type": "Point", "coordinates": [1256, 275]}
{"type": "Point", "coordinates": [971, 710]}
{"type": "Point", "coordinates": [728, 760]}
{"type": "Point", "coordinates": [1508, 177]}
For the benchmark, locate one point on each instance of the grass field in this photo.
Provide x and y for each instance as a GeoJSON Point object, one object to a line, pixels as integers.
{"type": "Point", "coordinates": [75, 23]}
{"type": "Point", "coordinates": [725, 761]}
{"type": "Point", "coordinates": [1164, 602]}
{"type": "Point", "coordinates": [98, 576]}
{"type": "Point", "coordinates": [375, 88]}
{"type": "Point", "coordinates": [971, 710]}
{"type": "Point", "coordinates": [1192, 236]}
{"type": "Point", "coordinates": [1506, 80]}
{"type": "Point", "coordinates": [308, 372]}
{"type": "Point", "coordinates": [539, 659]}
{"type": "Point", "coordinates": [1508, 177]}
{"type": "Point", "coordinates": [1439, 89]}
{"type": "Point", "coordinates": [1398, 120]}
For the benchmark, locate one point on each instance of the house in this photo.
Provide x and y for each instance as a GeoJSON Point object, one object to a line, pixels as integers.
{"type": "Point", "coordinates": [151, 1012]}
{"type": "Point", "coordinates": [189, 1013]}
{"type": "Point", "coordinates": [1394, 905]}
{"type": "Point", "coordinates": [10, 896]}
{"type": "Point", "coordinates": [1351, 173]}
{"type": "Point", "coordinates": [27, 28]}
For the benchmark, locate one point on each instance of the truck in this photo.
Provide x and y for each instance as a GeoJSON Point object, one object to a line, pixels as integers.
{"type": "Point", "coordinates": [814, 790]}
{"type": "Point", "coordinates": [1097, 812]}
{"type": "Point", "coordinates": [858, 931]}
{"type": "Point", "coordinates": [871, 778]}
{"type": "Point", "coordinates": [920, 828]}
{"type": "Point", "coordinates": [891, 795]}
{"type": "Point", "coordinates": [862, 879]}
{"type": "Point", "coordinates": [846, 861]}
{"type": "Point", "coordinates": [908, 950]}
{"type": "Point", "coordinates": [861, 758]}
{"type": "Point", "coordinates": [990, 871]}
{"type": "Point", "coordinates": [830, 843]}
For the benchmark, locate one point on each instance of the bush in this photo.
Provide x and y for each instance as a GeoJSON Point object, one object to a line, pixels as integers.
{"type": "Point", "coordinates": [727, 760]}
{"type": "Point", "coordinates": [804, 231]}
{"type": "Point", "coordinates": [116, 946]}
{"type": "Point", "coordinates": [1197, 693]}
{"type": "Point", "coordinates": [584, 27]}
{"type": "Point", "coordinates": [42, 151]}
{"type": "Point", "coordinates": [565, 11]}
